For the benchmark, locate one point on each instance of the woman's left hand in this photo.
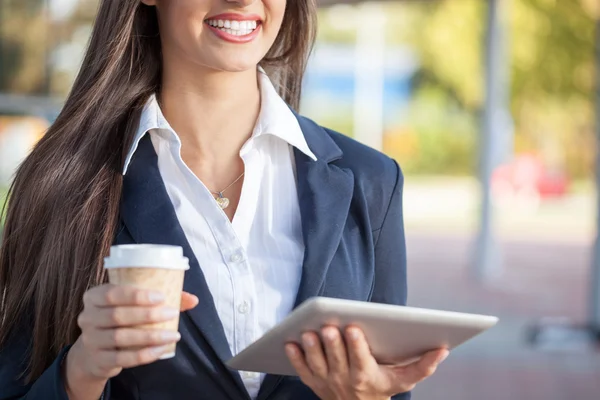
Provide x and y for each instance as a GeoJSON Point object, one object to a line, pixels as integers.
{"type": "Point", "coordinates": [342, 368]}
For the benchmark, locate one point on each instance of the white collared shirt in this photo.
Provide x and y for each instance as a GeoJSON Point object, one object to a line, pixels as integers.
{"type": "Point", "coordinates": [253, 264]}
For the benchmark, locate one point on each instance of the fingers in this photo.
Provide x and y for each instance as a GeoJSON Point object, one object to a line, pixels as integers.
{"type": "Point", "coordinates": [314, 355]}
{"type": "Point", "coordinates": [325, 367]}
{"type": "Point", "coordinates": [425, 367]}
{"type": "Point", "coordinates": [359, 353]}
{"type": "Point", "coordinates": [127, 338]}
{"type": "Point", "coordinates": [126, 316]}
{"type": "Point", "coordinates": [336, 354]}
{"type": "Point", "coordinates": [298, 361]}
{"type": "Point", "coordinates": [130, 358]}
{"type": "Point", "coordinates": [188, 301]}
{"type": "Point", "coordinates": [112, 328]}
{"type": "Point", "coordinates": [121, 295]}
{"type": "Point", "coordinates": [335, 351]}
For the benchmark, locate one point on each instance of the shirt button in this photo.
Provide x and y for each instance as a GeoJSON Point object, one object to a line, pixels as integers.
{"type": "Point", "coordinates": [244, 307]}
{"type": "Point", "coordinates": [236, 258]}
{"type": "Point", "coordinates": [249, 375]}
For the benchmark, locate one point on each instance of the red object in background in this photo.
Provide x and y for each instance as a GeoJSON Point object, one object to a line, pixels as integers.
{"type": "Point", "coordinates": [528, 174]}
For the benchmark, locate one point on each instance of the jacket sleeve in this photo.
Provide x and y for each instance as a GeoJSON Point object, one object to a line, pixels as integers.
{"type": "Point", "coordinates": [13, 360]}
{"type": "Point", "coordinates": [390, 285]}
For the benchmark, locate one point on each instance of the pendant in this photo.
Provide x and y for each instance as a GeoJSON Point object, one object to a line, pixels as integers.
{"type": "Point", "coordinates": [223, 202]}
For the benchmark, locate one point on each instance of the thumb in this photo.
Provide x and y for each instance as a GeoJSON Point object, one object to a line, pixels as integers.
{"type": "Point", "coordinates": [188, 301]}
{"type": "Point", "coordinates": [424, 368]}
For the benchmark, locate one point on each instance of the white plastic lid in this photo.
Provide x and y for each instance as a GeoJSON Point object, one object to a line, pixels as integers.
{"type": "Point", "coordinates": [146, 256]}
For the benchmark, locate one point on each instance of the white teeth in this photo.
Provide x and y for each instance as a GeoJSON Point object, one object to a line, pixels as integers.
{"type": "Point", "coordinates": [238, 28]}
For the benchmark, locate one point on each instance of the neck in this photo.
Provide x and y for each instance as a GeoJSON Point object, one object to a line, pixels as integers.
{"type": "Point", "coordinates": [200, 104]}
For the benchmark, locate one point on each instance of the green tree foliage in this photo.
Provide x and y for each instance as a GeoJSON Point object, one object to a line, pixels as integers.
{"type": "Point", "coordinates": [551, 65]}
{"type": "Point", "coordinates": [22, 45]}
{"type": "Point", "coordinates": [552, 50]}
{"type": "Point", "coordinates": [28, 39]}
{"type": "Point", "coordinates": [550, 59]}
{"type": "Point", "coordinates": [448, 36]}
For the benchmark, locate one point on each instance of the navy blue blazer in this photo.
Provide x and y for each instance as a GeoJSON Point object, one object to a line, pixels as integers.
{"type": "Point", "coordinates": [351, 207]}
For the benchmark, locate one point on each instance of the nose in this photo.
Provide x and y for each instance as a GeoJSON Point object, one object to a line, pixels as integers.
{"type": "Point", "coordinates": [241, 3]}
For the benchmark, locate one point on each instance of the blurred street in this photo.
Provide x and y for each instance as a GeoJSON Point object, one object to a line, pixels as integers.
{"type": "Point", "coordinates": [451, 205]}
{"type": "Point", "coordinates": [542, 278]}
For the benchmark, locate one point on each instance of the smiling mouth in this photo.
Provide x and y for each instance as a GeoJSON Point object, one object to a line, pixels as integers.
{"type": "Point", "coordinates": [233, 27]}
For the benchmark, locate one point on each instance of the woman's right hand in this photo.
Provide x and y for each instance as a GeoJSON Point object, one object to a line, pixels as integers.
{"type": "Point", "coordinates": [109, 339]}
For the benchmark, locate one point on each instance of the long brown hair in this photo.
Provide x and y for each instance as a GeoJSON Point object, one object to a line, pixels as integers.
{"type": "Point", "coordinates": [63, 205]}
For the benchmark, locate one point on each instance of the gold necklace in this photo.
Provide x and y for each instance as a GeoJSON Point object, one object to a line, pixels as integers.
{"type": "Point", "coordinates": [222, 201]}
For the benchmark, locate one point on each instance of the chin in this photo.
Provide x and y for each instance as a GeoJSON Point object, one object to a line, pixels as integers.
{"type": "Point", "coordinates": [235, 64]}
{"type": "Point", "coordinates": [231, 58]}
{"type": "Point", "coordinates": [238, 67]}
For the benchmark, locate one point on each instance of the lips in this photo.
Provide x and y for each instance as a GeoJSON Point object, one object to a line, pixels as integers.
{"type": "Point", "coordinates": [236, 28]}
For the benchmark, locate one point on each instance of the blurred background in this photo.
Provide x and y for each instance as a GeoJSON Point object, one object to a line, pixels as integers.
{"type": "Point", "coordinates": [491, 107]}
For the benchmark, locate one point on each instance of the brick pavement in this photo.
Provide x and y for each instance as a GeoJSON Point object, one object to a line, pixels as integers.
{"type": "Point", "coordinates": [540, 279]}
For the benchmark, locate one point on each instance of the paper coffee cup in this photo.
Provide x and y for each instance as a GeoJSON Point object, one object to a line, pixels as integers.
{"type": "Point", "coordinates": [155, 267]}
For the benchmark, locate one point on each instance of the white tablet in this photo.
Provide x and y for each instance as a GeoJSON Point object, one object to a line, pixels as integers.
{"type": "Point", "coordinates": [396, 334]}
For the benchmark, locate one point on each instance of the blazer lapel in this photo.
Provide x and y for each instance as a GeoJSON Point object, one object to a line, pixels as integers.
{"type": "Point", "coordinates": [148, 213]}
{"type": "Point", "coordinates": [324, 194]}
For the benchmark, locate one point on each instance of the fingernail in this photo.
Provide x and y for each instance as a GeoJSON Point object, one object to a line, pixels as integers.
{"type": "Point", "coordinates": [290, 350]}
{"type": "Point", "coordinates": [159, 350]}
{"type": "Point", "coordinates": [308, 340]}
{"type": "Point", "coordinates": [443, 357]}
{"type": "Point", "coordinates": [354, 334]}
{"type": "Point", "coordinates": [170, 336]}
{"type": "Point", "coordinates": [330, 334]}
{"type": "Point", "coordinates": [156, 297]}
{"type": "Point", "coordinates": [170, 313]}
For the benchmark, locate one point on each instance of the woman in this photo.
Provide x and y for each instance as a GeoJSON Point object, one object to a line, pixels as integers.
{"type": "Point", "coordinates": [174, 134]}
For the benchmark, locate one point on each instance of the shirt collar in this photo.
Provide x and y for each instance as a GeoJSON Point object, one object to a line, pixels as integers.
{"type": "Point", "coordinates": [151, 118]}
{"type": "Point", "coordinates": [275, 118]}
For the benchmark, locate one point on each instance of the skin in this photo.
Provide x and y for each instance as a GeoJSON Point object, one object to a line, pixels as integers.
{"type": "Point", "coordinates": [205, 81]}
{"type": "Point", "coordinates": [342, 367]}
{"type": "Point", "coordinates": [110, 341]}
